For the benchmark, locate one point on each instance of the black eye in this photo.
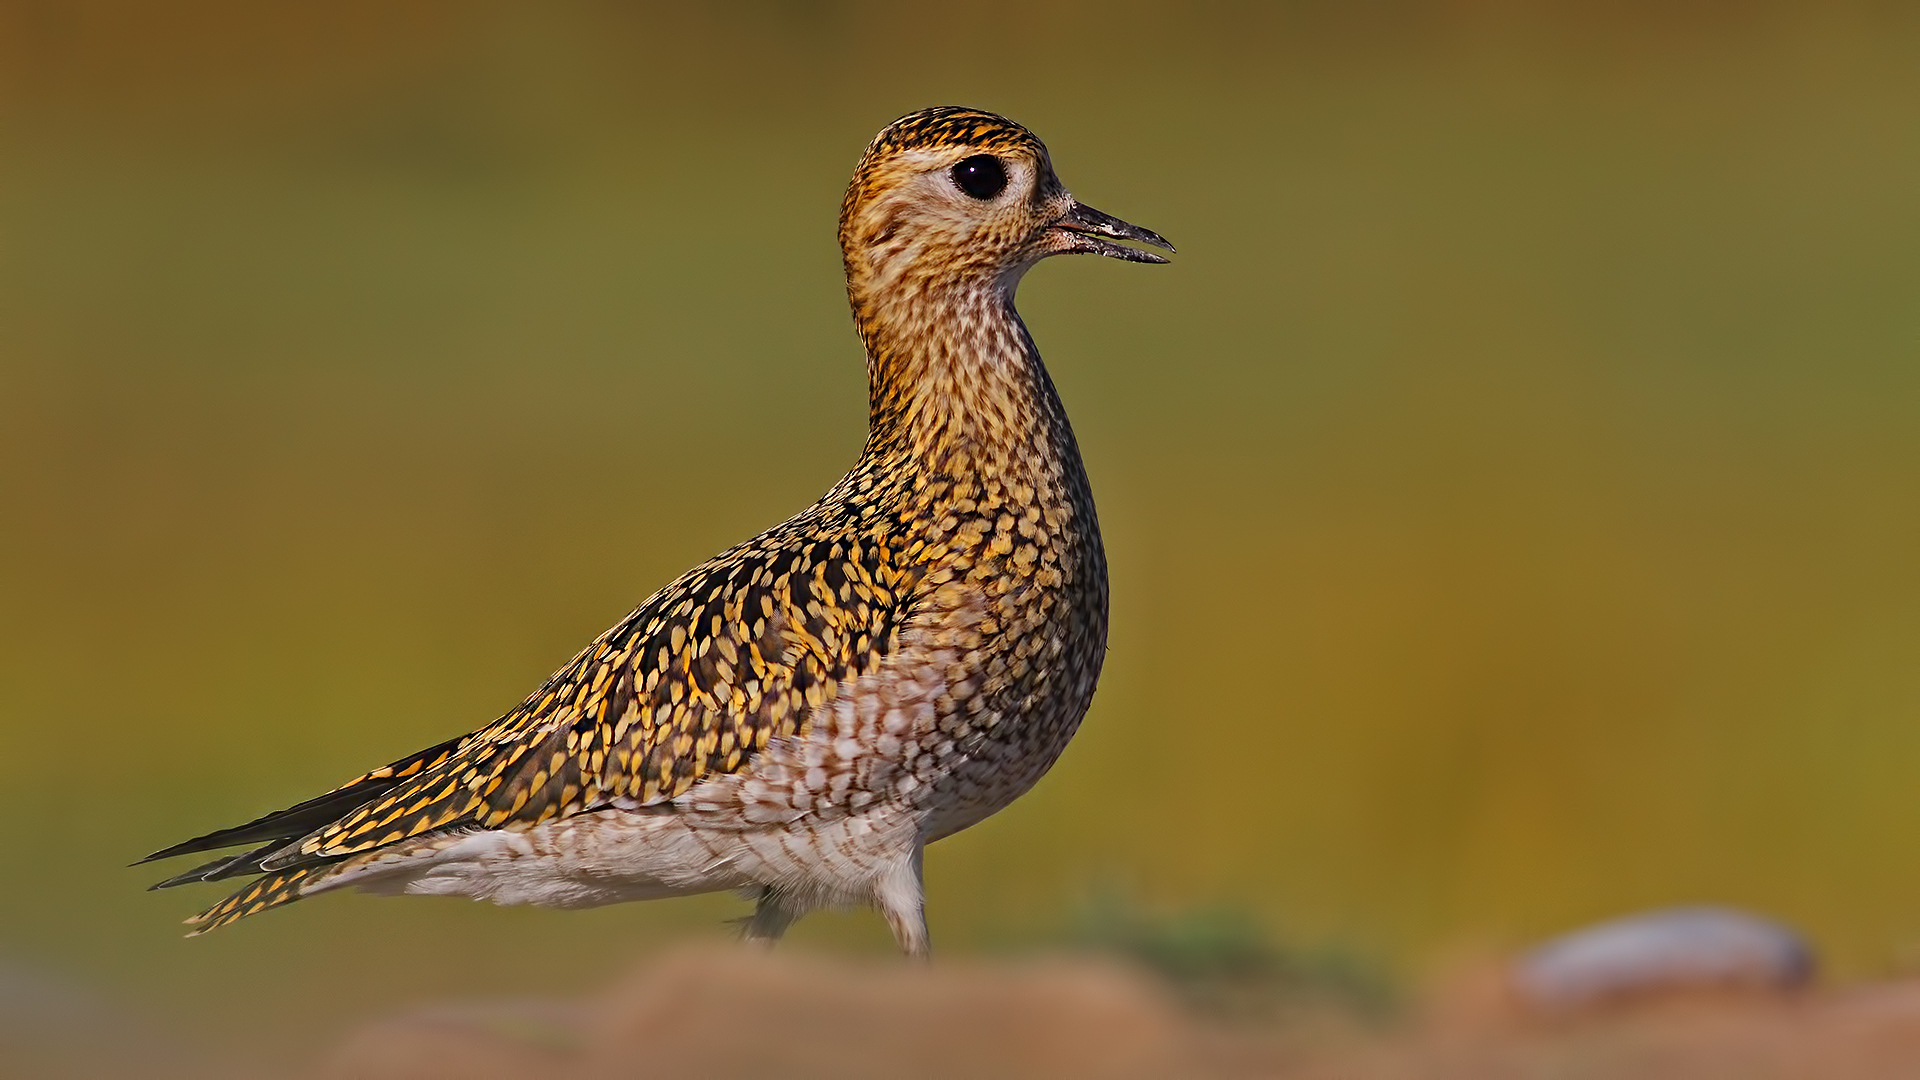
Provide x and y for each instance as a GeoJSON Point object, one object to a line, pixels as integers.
{"type": "Point", "coordinates": [981, 176]}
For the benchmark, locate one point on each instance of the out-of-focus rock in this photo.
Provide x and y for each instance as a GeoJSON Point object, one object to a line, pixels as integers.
{"type": "Point", "coordinates": [720, 1013]}
{"type": "Point", "coordinates": [480, 1041]}
{"type": "Point", "coordinates": [1678, 950]}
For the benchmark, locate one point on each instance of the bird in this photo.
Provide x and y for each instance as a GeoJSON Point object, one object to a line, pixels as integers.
{"type": "Point", "coordinates": [798, 717]}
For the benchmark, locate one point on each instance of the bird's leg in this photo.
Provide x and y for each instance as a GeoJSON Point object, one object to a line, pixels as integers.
{"type": "Point", "coordinates": [770, 918]}
{"type": "Point", "coordinates": [902, 900]}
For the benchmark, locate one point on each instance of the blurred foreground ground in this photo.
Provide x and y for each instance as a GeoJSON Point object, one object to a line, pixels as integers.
{"type": "Point", "coordinates": [732, 1012]}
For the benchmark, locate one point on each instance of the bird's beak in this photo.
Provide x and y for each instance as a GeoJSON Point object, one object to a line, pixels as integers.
{"type": "Point", "coordinates": [1084, 230]}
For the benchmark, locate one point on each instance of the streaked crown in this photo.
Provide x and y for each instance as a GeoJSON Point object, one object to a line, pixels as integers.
{"type": "Point", "coordinates": [946, 126]}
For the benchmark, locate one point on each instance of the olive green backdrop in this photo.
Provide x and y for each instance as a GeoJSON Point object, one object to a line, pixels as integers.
{"type": "Point", "coordinates": [1512, 492]}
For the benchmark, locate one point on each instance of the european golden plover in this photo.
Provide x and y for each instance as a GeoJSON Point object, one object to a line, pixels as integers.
{"type": "Point", "coordinates": [799, 716]}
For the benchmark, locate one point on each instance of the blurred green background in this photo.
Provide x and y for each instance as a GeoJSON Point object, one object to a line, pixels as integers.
{"type": "Point", "coordinates": [1512, 492]}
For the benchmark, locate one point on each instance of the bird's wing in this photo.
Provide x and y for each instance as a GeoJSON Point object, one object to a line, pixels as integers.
{"type": "Point", "coordinates": [693, 684]}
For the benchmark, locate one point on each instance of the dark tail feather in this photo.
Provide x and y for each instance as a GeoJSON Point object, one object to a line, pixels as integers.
{"type": "Point", "coordinates": [299, 820]}
{"type": "Point", "coordinates": [225, 866]}
{"type": "Point", "coordinates": [282, 825]}
{"type": "Point", "coordinates": [266, 891]}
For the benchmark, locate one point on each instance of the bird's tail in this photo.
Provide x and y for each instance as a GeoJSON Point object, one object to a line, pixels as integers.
{"type": "Point", "coordinates": [269, 890]}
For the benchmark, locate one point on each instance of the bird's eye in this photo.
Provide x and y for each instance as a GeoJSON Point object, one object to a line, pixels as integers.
{"type": "Point", "coordinates": [981, 176]}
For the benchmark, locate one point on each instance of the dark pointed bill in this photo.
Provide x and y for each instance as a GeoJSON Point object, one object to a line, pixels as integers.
{"type": "Point", "coordinates": [1091, 232]}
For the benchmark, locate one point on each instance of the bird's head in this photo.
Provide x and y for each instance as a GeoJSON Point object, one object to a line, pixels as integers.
{"type": "Point", "coordinates": [953, 197]}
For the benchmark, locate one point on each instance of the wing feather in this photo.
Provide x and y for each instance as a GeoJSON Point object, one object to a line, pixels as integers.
{"type": "Point", "coordinates": [302, 818]}
{"type": "Point", "coordinates": [695, 683]}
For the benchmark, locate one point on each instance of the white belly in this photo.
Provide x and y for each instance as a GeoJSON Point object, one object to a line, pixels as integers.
{"type": "Point", "coordinates": [612, 856]}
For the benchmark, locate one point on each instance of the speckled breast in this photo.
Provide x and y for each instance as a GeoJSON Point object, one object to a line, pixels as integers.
{"type": "Point", "coordinates": [1010, 624]}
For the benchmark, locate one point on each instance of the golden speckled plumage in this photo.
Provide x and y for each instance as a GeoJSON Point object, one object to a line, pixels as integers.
{"type": "Point", "coordinates": [798, 716]}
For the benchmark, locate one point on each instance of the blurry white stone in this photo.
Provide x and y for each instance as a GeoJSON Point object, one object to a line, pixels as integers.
{"type": "Point", "coordinates": [1673, 950]}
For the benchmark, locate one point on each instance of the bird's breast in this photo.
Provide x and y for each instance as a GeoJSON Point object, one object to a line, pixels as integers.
{"type": "Point", "coordinates": [1010, 623]}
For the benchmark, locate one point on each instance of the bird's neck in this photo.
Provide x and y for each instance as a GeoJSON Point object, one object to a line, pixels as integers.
{"type": "Point", "coordinates": [955, 384]}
